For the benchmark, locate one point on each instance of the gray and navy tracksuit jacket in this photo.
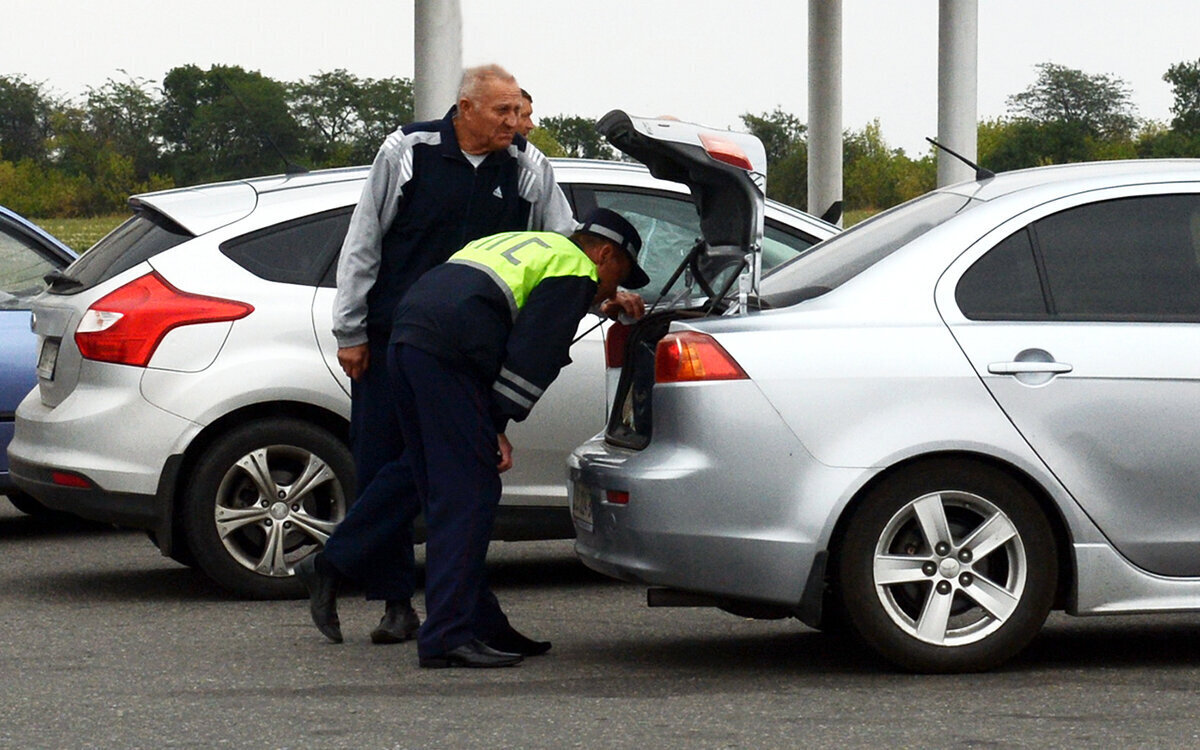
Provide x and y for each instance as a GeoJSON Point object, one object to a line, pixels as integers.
{"type": "Point", "coordinates": [505, 309]}
{"type": "Point", "coordinates": [424, 200]}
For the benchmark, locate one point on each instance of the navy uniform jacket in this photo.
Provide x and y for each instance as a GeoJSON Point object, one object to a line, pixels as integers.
{"type": "Point", "coordinates": [505, 309]}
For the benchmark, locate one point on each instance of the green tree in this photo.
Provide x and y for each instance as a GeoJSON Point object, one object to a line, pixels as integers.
{"type": "Point", "coordinates": [225, 123]}
{"type": "Point", "coordinates": [346, 118]}
{"type": "Point", "coordinates": [1184, 78]}
{"type": "Point", "coordinates": [384, 105]}
{"type": "Point", "coordinates": [25, 113]}
{"type": "Point", "coordinates": [877, 176]}
{"type": "Point", "coordinates": [783, 138]}
{"type": "Point", "coordinates": [577, 136]}
{"type": "Point", "coordinates": [122, 117]}
{"type": "Point", "coordinates": [1096, 105]}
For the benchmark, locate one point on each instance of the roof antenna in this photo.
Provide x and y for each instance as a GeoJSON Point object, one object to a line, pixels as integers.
{"type": "Point", "coordinates": [289, 167]}
{"type": "Point", "coordinates": [980, 172]}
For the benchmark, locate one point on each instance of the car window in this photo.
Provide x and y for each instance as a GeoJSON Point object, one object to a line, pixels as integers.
{"type": "Point", "coordinates": [669, 227]}
{"type": "Point", "coordinates": [22, 267]}
{"type": "Point", "coordinates": [138, 239]}
{"type": "Point", "coordinates": [842, 257]}
{"type": "Point", "coordinates": [296, 252]}
{"type": "Point", "coordinates": [1127, 259]}
{"type": "Point", "coordinates": [1004, 283]}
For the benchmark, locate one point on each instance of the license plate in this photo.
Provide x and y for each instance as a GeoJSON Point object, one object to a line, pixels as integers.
{"type": "Point", "coordinates": [47, 359]}
{"type": "Point", "coordinates": [581, 505]}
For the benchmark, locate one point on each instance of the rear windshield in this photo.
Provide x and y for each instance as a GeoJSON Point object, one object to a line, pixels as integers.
{"type": "Point", "coordinates": [842, 257]}
{"type": "Point", "coordinates": [140, 238]}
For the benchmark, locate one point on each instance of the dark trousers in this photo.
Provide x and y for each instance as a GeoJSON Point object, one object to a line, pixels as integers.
{"type": "Point", "coordinates": [451, 453]}
{"type": "Point", "coordinates": [373, 545]}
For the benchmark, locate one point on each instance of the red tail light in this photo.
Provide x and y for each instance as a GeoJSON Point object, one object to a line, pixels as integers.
{"type": "Point", "coordinates": [690, 356]}
{"type": "Point", "coordinates": [617, 497]}
{"type": "Point", "coordinates": [723, 149]}
{"type": "Point", "coordinates": [127, 325]}
{"type": "Point", "coordinates": [614, 344]}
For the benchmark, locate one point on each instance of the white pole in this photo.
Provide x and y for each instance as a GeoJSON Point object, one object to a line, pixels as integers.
{"type": "Point", "coordinates": [824, 105]}
{"type": "Point", "coordinates": [438, 57]}
{"type": "Point", "coordinates": [958, 87]}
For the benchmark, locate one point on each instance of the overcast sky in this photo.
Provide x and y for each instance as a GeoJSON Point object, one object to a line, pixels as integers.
{"type": "Point", "coordinates": [706, 62]}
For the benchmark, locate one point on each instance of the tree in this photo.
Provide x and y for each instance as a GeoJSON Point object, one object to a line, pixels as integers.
{"type": "Point", "coordinates": [25, 113]}
{"type": "Point", "coordinates": [346, 118]}
{"type": "Point", "coordinates": [1184, 78]}
{"type": "Point", "coordinates": [122, 116]}
{"type": "Point", "coordinates": [783, 138]}
{"type": "Point", "coordinates": [225, 123]}
{"type": "Point", "coordinates": [578, 136]}
{"type": "Point", "coordinates": [878, 176]}
{"type": "Point", "coordinates": [1096, 105]}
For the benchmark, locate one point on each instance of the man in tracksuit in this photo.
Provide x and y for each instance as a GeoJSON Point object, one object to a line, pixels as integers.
{"type": "Point", "coordinates": [475, 343]}
{"type": "Point", "coordinates": [433, 187]}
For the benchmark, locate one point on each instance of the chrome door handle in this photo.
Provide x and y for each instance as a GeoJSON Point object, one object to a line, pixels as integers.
{"type": "Point", "coordinates": [1020, 368]}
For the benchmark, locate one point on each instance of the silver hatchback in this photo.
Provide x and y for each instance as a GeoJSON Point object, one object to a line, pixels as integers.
{"type": "Point", "coordinates": [933, 428]}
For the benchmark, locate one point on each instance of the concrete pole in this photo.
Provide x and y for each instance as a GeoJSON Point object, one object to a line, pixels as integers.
{"type": "Point", "coordinates": [824, 105]}
{"type": "Point", "coordinates": [438, 57]}
{"type": "Point", "coordinates": [958, 87]}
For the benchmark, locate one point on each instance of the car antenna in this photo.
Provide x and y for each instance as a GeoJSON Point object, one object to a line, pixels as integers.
{"type": "Point", "coordinates": [980, 172]}
{"type": "Point", "coordinates": [289, 167]}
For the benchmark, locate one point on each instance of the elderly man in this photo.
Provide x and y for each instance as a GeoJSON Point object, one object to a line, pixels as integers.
{"type": "Point", "coordinates": [434, 186]}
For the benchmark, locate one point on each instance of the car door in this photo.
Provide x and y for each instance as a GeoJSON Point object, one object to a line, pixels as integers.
{"type": "Point", "coordinates": [24, 260]}
{"type": "Point", "coordinates": [1084, 325]}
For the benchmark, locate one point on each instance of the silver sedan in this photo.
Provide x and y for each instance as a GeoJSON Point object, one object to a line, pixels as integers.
{"type": "Point", "coordinates": [933, 428]}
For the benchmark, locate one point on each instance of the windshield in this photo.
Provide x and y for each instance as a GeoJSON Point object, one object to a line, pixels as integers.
{"type": "Point", "coordinates": [844, 256]}
{"type": "Point", "coordinates": [22, 266]}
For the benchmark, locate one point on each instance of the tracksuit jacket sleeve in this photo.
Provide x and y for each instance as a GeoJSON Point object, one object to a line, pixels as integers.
{"type": "Point", "coordinates": [549, 209]}
{"type": "Point", "coordinates": [539, 345]}
{"type": "Point", "coordinates": [358, 264]}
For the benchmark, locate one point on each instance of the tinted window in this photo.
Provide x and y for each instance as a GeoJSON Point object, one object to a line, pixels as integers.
{"type": "Point", "coordinates": [1129, 259]}
{"type": "Point", "coordinates": [669, 227]}
{"type": "Point", "coordinates": [298, 252]}
{"type": "Point", "coordinates": [842, 257]}
{"type": "Point", "coordinates": [22, 267]}
{"type": "Point", "coordinates": [140, 238]}
{"type": "Point", "coordinates": [1003, 284]}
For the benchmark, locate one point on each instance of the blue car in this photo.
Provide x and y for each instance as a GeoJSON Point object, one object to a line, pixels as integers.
{"type": "Point", "coordinates": [27, 254]}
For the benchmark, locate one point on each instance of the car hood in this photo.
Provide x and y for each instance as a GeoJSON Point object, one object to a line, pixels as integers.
{"type": "Point", "coordinates": [725, 171]}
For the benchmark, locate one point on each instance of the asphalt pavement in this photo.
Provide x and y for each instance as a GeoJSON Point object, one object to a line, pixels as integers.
{"type": "Point", "coordinates": [106, 644]}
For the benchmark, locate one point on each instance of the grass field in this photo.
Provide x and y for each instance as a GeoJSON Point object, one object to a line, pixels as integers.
{"type": "Point", "coordinates": [80, 234]}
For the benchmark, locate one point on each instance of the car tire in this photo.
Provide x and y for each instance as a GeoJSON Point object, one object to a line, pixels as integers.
{"type": "Point", "coordinates": [263, 497]}
{"type": "Point", "coordinates": [966, 601]}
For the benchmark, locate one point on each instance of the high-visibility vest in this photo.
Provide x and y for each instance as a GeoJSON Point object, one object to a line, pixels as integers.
{"type": "Point", "coordinates": [519, 261]}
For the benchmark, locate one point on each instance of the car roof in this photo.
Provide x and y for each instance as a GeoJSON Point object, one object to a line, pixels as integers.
{"type": "Point", "coordinates": [204, 208]}
{"type": "Point", "coordinates": [1069, 178]}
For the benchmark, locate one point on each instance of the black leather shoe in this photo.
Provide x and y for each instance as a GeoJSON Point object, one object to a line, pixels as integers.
{"type": "Point", "coordinates": [474, 655]}
{"type": "Point", "coordinates": [321, 583]}
{"type": "Point", "coordinates": [514, 642]}
{"type": "Point", "coordinates": [399, 624]}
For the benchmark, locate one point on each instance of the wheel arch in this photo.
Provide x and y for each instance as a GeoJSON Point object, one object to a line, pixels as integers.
{"type": "Point", "coordinates": [1054, 516]}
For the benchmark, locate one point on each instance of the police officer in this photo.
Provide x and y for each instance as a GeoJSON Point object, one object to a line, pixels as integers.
{"type": "Point", "coordinates": [433, 187]}
{"type": "Point", "coordinates": [475, 343]}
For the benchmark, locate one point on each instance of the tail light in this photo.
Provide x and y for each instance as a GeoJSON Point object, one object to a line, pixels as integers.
{"type": "Point", "coordinates": [691, 356]}
{"type": "Point", "coordinates": [127, 325]}
{"type": "Point", "coordinates": [615, 341]}
{"type": "Point", "coordinates": [723, 149]}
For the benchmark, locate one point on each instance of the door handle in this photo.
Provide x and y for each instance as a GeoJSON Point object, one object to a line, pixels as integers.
{"type": "Point", "coordinates": [1021, 368]}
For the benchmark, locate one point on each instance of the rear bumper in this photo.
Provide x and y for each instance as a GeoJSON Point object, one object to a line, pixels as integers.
{"type": "Point", "coordinates": [126, 509]}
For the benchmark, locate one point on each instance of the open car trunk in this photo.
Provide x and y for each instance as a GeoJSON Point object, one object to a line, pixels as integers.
{"type": "Point", "coordinates": [726, 174]}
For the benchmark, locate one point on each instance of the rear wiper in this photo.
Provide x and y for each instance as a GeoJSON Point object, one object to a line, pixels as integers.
{"type": "Point", "coordinates": [60, 281]}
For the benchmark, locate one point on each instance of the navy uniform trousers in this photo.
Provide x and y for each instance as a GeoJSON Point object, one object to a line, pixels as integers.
{"type": "Point", "coordinates": [447, 469]}
{"type": "Point", "coordinates": [373, 545]}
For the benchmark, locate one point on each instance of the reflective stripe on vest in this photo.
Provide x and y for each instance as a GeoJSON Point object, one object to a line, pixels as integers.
{"type": "Point", "coordinates": [519, 261]}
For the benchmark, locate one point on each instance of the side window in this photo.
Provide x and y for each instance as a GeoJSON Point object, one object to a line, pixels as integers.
{"type": "Point", "coordinates": [296, 252]}
{"type": "Point", "coordinates": [22, 267]}
{"type": "Point", "coordinates": [1003, 284]}
{"type": "Point", "coordinates": [1128, 259]}
{"type": "Point", "coordinates": [780, 245]}
{"type": "Point", "coordinates": [669, 227]}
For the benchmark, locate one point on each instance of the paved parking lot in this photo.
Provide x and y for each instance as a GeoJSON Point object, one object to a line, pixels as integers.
{"type": "Point", "coordinates": [105, 644]}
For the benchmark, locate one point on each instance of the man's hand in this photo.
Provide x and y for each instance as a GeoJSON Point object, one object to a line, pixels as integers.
{"type": "Point", "coordinates": [506, 461]}
{"type": "Point", "coordinates": [629, 303]}
{"type": "Point", "coordinates": [354, 360]}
